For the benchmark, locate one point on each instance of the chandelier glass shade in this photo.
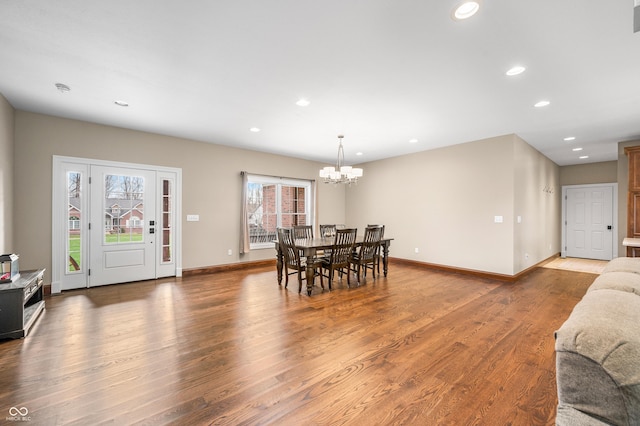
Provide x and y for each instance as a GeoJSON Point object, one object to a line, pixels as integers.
{"type": "Point", "coordinates": [340, 173]}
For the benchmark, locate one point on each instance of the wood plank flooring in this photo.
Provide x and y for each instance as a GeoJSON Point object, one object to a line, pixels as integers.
{"type": "Point", "coordinates": [577, 264]}
{"type": "Point", "coordinates": [418, 347]}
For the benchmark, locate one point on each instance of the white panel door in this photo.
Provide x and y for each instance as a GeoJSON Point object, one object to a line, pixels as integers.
{"type": "Point", "coordinates": [123, 225]}
{"type": "Point", "coordinates": [589, 222]}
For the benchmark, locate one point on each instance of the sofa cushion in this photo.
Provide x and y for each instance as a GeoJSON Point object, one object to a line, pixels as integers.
{"type": "Point", "coordinates": [622, 281]}
{"type": "Point", "coordinates": [597, 357]}
{"type": "Point", "coordinates": [568, 416]}
{"type": "Point", "coordinates": [623, 264]}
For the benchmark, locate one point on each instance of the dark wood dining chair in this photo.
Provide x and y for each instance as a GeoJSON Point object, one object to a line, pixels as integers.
{"type": "Point", "coordinates": [368, 254]}
{"type": "Point", "coordinates": [302, 232]}
{"type": "Point", "coordinates": [293, 261]}
{"type": "Point", "coordinates": [378, 255]}
{"type": "Point", "coordinates": [340, 257]}
{"type": "Point", "coordinates": [327, 231]}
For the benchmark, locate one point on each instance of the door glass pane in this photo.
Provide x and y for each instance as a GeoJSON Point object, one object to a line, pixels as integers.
{"type": "Point", "coordinates": [167, 194]}
{"type": "Point", "coordinates": [123, 209]}
{"type": "Point", "coordinates": [74, 240]}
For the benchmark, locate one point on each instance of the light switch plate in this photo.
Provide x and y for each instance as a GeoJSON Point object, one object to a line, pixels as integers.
{"type": "Point", "coordinates": [498, 219]}
{"type": "Point", "coordinates": [193, 218]}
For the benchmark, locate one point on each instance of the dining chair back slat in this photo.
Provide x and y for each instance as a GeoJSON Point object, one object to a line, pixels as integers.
{"type": "Point", "coordinates": [327, 231]}
{"type": "Point", "coordinates": [302, 232]}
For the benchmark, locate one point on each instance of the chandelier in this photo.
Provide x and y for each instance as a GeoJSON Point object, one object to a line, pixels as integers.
{"type": "Point", "coordinates": [340, 173]}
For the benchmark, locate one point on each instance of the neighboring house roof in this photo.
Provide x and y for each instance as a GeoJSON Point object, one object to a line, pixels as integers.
{"type": "Point", "coordinates": [116, 207]}
{"type": "Point", "coordinates": [74, 203]}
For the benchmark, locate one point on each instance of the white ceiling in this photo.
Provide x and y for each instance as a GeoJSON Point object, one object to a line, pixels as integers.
{"type": "Point", "coordinates": [381, 72]}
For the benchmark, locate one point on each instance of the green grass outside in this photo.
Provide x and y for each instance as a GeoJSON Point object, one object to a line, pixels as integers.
{"type": "Point", "coordinates": [75, 248]}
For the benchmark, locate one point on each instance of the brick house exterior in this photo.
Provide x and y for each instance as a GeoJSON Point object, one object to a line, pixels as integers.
{"type": "Point", "coordinates": [121, 215]}
{"type": "Point", "coordinates": [263, 213]}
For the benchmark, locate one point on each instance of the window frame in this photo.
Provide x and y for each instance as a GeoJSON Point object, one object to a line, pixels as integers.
{"type": "Point", "coordinates": [279, 182]}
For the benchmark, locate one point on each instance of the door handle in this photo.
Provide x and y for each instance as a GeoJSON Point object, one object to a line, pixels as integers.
{"type": "Point", "coordinates": [609, 227]}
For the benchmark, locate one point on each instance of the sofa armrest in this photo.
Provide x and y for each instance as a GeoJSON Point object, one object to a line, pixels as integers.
{"type": "Point", "coordinates": [598, 358]}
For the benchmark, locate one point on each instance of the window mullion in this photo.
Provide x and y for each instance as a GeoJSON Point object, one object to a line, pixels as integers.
{"type": "Point", "coordinates": [278, 205]}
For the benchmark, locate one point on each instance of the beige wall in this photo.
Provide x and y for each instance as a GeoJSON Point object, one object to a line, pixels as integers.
{"type": "Point", "coordinates": [210, 174]}
{"type": "Point", "coordinates": [443, 202]}
{"type": "Point", "coordinates": [586, 174]}
{"type": "Point", "coordinates": [6, 177]}
{"type": "Point", "coordinates": [537, 207]}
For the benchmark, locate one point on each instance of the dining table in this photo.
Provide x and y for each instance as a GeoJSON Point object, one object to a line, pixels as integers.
{"type": "Point", "coordinates": [309, 247]}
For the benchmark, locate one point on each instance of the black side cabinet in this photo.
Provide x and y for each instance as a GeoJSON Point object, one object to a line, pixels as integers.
{"type": "Point", "coordinates": [21, 302]}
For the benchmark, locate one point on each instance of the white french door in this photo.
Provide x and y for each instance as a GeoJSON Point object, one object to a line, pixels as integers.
{"type": "Point", "coordinates": [113, 223]}
{"type": "Point", "coordinates": [123, 222]}
{"type": "Point", "coordinates": [589, 221]}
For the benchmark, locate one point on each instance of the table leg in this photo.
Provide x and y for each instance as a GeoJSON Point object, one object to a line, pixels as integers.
{"type": "Point", "coordinates": [311, 273]}
{"type": "Point", "coordinates": [385, 257]}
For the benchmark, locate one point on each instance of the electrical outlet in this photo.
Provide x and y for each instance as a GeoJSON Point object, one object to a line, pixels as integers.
{"type": "Point", "coordinates": [417, 250]}
{"type": "Point", "coordinates": [229, 252]}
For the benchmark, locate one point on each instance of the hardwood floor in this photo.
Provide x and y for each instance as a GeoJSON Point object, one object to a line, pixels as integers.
{"type": "Point", "coordinates": [419, 347]}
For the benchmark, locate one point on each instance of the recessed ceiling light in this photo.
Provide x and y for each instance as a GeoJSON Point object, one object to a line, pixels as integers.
{"type": "Point", "coordinates": [466, 10]}
{"type": "Point", "coordinates": [570, 138]}
{"type": "Point", "coordinates": [577, 149]}
{"type": "Point", "coordinates": [303, 102]}
{"type": "Point", "coordinates": [413, 140]}
{"type": "Point", "coordinates": [121, 103]}
{"type": "Point", "coordinates": [254, 129]}
{"type": "Point", "coordinates": [542, 104]}
{"type": "Point", "coordinates": [63, 88]}
{"type": "Point", "coordinates": [583, 157]}
{"type": "Point", "coordinates": [515, 70]}
{"type": "Point", "coordinates": [358, 153]}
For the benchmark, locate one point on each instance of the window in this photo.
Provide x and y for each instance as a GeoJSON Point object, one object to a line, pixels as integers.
{"type": "Point", "coordinates": [167, 234]}
{"type": "Point", "coordinates": [74, 223]}
{"type": "Point", "coordinates": [123, 209]}
{"type": "Point", "coordinates": [273, 202]}
{"type": "Point", "coordinates": [134, 222]}
{"type": "Point", "coordinates": [74, 240]}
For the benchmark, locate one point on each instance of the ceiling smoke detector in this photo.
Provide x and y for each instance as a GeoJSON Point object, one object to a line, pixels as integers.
{"type": "Point", "coordinates": [63, 88]}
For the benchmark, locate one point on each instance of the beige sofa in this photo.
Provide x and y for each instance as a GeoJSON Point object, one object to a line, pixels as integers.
{"type": "Point", "coordinates": [598, 351]}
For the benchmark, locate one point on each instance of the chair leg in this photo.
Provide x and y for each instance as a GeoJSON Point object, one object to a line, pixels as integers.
{"type": "Point", "coordinates": [286, 277]}
{"type": "Point", "coordinates": [299, 281]}
{"type": "Point", "coordinates": [320, 273]}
